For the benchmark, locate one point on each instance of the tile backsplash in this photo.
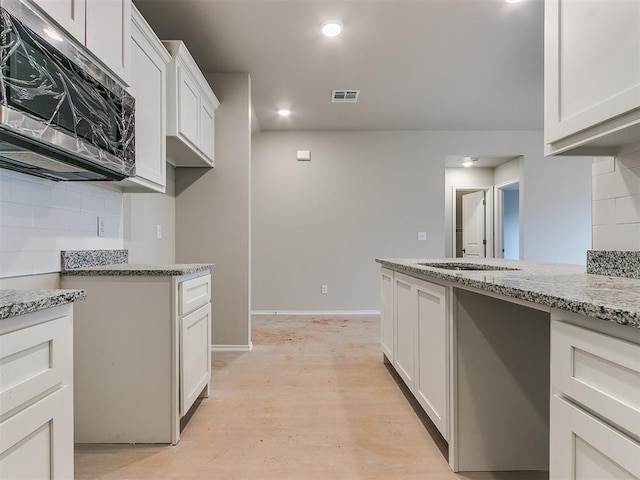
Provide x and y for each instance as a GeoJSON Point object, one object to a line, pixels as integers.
{"type": "Point", "coordinates": [616, 201]}
{"type": "Point", "coordinates": [39, 218]}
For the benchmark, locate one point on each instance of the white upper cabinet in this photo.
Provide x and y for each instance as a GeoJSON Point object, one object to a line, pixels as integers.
{"type": "Point", "coordinates": [148, 86]}
{"type": "Point", "coordinates": [70, 15]}
{"type": "Point", "coordinates": [592, 76]}
{"type": "Point", "coordinates": [190, 111]}
{"type": "Point", "coordinates": [103, 26]}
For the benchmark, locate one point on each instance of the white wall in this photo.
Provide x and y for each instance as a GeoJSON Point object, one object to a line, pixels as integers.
{"type": "Point", "coordinates": [616, 201]}
{"type": "Point", "coordinates": [143, 212]}
{"type": "Point", "coordinates": [511, 224]}
{"type": "Point", "coordinates": [213, 212]}
{"type": "Point", "coordinates": [367, 194]}
{"type": "Point", "coordinates": [511, 170]}
{"type": "Point", "coordinates": [38, 218]}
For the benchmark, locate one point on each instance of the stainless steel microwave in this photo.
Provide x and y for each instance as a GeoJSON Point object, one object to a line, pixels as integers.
{"type": "Point", "coordinates": [63, 116]}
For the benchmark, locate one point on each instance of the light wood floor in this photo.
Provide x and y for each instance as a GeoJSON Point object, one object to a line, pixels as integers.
{"type": "Point", "coordinates": [313, 400]}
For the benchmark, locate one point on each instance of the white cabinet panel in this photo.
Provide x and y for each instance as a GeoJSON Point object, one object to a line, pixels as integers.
{"type": "Point", "coordinates": [386, 313]}
{"type": "Point", "coordinates": [406, 326]}
{"type": "Point", "coordinates": [37, 442]}
{"type": "Point", "coordinates": [108, 34]}
{"type": "Point", "coordinates": [195, 356]}
{"type": "Point", "coordinates": [207, 130]}
{"type": "Point", "coordinates": [598, 371]}
{"type": "Point", "coordinates": [69, 14]}
{"type": "Point", "coordinates": [432, 379]}
{"type": "Point", "coordinates": [194, 293]}
{"type": "Point", "coordinates": [584, 448]}
{"type": "Point", "coordinates": [189, 104]}
{"type": "Point", "coordinates": [148, 86]}
{"type": "Point", "coordinates": [592, 75]}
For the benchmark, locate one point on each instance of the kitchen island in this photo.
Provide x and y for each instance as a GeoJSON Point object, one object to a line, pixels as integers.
{"type": "Point", "coordinates": [479, 350]}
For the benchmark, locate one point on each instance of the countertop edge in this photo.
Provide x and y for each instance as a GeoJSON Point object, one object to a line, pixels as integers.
{"type": "Point", "coordinates": [22, 302]}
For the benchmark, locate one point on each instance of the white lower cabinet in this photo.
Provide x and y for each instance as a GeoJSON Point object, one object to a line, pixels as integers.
{"type": "Point", "coordinates": [406, 326]}
{"type": "Point", "coordinates": [387, 333]}
{"type": "Point", "coordinates": [142, 355]}
{"type": "Point", "coordinates": [432, 384]}
{"type": "Point", "coordinates": [420, 320]}
{"type": "Point", "coordinates": [36, 396]}
{"type": "Point", "coordinates": [595, 400]}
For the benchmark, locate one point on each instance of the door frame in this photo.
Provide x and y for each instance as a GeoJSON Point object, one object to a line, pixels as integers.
{"type": "Point", "coordinates": [499, 207]}
{"type": "Point", "coordinates": [488, 211]}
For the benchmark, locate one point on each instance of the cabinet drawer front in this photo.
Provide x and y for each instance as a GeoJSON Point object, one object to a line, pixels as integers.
{"type": "Point", "coordinates": [34, 360]}
{"type": "Point", "coordinates": [38, 442]}
{"type": "Point", "coordinates": [195, 356]}
{"type": "Point", "coordinates": [194, 293]}
{"type": "Point", "coordinates": [583, 448]}
{"type": "Point", "coordinates": [598, 371]}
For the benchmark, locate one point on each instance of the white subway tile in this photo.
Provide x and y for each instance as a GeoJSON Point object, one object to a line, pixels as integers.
{"type": "Point", "coordinates": [92, 203]}
{"type": "Point", "coordinates": [82, 222]}
{"type": "Point", "coordinates": [46, 217]}
{"type": "Point", "coordinates": [5, 189]}
{"type": "Point", "coordinates": [620, 183]}
{"type": "Point", "coordinates": [113, 206]}
{"type": "Point", "coordinates": [628, 209]}
{"type": "Point", "coordinates": [616, 237]}
{"type": "Point", "coordinates": [31, 192]}
{"type": "Point", "coordinates": [5, 239]}
{"type": "Point", "coordinates": [112, 225]}
{"type": "Point", "coordinates": [13, 264]}
{"type": "Point", "coordinates": [15, 215]}
{"type": "Point", "coordinates": [46, 262]}
{"type": "Point", "coordinates": [602, 165]}
{"type": "Point", "coordinates": [628, 160]}
{"type": "Point", "coordinates": [603, 212]}
{"type": "Point", "coordinates": [63, 198]}
{"type": "Point", "coordinates": [32, 239]}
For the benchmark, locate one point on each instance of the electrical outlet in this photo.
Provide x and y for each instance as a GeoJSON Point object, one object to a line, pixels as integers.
{"type": "Point", "coordinates": [324, 289]}
{"type": "Point", "coordinates": [100, 227]}
{"type": "Point", "coordinates": [422, 236]}
{"type": "Point", "coordinates": [158, 232]}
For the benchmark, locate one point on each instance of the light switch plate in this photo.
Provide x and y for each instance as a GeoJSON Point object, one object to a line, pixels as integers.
{"type": "Point", "coordinates": [304, 155]}
{"type": "Point", "coordinates": [422, 236]}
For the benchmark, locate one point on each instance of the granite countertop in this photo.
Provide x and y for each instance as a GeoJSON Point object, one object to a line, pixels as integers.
{"type": "Point", "coordinates": [566, 287]}
{"type": "Point", "coordinates": [21, 302]}
{"type": "Point", "coordinates": [136, 269]}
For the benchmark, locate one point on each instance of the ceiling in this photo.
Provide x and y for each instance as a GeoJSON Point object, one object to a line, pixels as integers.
{"type": "Point", "coordinates": [455, 161]}
{"type": "Point", "coordinates": [419, 64]}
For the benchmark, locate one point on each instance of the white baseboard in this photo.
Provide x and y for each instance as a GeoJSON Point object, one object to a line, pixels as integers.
{"type": "Point", "coordinates": [232, 348]}
{"type": "Point", "coordinates": [315, 312]}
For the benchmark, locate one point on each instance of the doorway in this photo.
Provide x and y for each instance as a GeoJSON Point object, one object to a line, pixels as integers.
{"type": "Point", "coordinates": [508, 220]}
{"type": "Point", "coordinates": [473, 226]}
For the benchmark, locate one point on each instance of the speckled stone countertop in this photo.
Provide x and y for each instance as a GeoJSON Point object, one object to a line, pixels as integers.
{"type": "Point", "coordinates": [21, 302]}
{"type": "Point", "coordinates": [566, 287]}
{"type": "Point", "coordinates": [141, 270]}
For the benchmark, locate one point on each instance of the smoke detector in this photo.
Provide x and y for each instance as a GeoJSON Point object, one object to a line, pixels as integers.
{"type": "Point", "coordinates": [345, 96]}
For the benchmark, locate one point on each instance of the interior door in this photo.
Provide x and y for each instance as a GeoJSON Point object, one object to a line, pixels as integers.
{"type": "Point", "coordinates": [473, 220]}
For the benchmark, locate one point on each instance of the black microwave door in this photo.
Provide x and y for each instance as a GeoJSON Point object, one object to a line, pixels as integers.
{"type": "Point", "coordinates": [40, 81]}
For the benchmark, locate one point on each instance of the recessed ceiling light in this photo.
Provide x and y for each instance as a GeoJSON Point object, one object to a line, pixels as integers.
{"type": "Point", "coordinates": [283, 112]}
{"type": "Point", "coordinates": [468, 163]}
{"type": "Point", "coordinates": [332, 28]}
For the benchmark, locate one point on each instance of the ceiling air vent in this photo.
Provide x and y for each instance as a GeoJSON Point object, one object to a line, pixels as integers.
{"type": "Point", "coordinates": [345, 96]}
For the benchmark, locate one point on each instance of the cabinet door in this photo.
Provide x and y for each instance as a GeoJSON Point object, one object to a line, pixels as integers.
{"type": "Point", "coordinates": [195, 356]}
{"type": "Point", "coordinates": [188, 108]}
{"type": "Point", "coordinates": [207, 130]}
{"type": "Point", "coordinates": [592, 64]}
{"type": "Point", "coordinates": [148, 80]}
{"type": "Point", "coordinates": [37, 442]}
{"type": "Point", "coordinates": [584, 448]}
{"type": "Point", "coordinates": [432, 377]}
{"type": "Point", "coordinates": [406, 324]}
{"type": "Point", "coordinates": [386, 313]}
{"type": "Point", "coordinates": [108, 34]}
{"type": "Point", "coordinates": [69, 14]}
